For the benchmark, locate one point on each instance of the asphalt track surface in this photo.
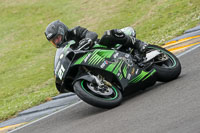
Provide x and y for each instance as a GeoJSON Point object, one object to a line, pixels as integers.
{"type": "Point", "coordinates": [172, 107]}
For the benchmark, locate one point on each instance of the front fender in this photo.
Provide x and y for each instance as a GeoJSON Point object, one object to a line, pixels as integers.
{"type": "Point", "coordinates": [87, 78]}
{"type": "Point", "coordinates": [92, 79]}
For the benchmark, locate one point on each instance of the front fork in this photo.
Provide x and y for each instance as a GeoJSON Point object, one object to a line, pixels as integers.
{"type": "Point", "coordinates": [100, 81]}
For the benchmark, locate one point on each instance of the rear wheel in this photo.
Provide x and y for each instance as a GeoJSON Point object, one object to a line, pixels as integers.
{"type": "Point", "coordinates": [100, 96]}
{"type": "Point", "coordinates": [167, 65]}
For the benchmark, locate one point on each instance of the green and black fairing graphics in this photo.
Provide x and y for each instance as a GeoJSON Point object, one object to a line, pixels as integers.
{"type": "Point", "coordinates": [117, 63]}
{"type": "Point", "coordinates": [62, 64]}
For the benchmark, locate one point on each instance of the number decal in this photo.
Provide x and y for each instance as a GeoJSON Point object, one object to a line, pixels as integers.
{"type": "Point", "coordinates": [61, 72]}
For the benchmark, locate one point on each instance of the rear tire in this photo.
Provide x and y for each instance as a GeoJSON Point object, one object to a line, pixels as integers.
{"type": "Point", "coordinates": [81, 89]}
{"type": "Point", "coordinates": [171, 69]}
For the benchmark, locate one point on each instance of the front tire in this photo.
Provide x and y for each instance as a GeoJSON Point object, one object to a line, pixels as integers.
{"type": "Point", "coordinates": [168, 70]}
{"type": "Point", "coordinates": [91, 97]}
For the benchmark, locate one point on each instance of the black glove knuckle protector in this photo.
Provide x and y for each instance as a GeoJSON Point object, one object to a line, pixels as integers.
{"type": "Point", "coordinates": [86, 41]}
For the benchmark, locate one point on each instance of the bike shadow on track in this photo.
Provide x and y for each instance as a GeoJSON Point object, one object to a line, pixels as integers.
{"type": "Point", "coordinates": [131, 94]}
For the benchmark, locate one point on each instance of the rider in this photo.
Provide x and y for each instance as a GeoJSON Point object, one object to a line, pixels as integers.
{"type": "Point", "coordinates": [58, 33]}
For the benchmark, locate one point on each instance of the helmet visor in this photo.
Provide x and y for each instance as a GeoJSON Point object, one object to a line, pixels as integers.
{"type": "Point", "coordinates": [56, 41]}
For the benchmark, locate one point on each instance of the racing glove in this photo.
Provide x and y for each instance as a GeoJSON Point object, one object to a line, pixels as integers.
{"type": "Point", "coordinates": [85, 43]}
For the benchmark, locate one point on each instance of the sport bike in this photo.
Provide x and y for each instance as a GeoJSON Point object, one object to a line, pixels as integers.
{"type": "Point", "coordinates": [101, 76]}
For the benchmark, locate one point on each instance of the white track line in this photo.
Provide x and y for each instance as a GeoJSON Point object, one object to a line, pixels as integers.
{"type": "Point", "coordinates": [45, 116]}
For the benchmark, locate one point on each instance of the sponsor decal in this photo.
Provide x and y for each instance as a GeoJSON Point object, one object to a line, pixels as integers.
{"type": "Point", "coordinates": [137, 71]}
{"type": "Point", "coordinates": [115, 55]}
{"type": "Point", "coordinates": [104, 64]}
{"type": "Point", "coordinates": [85, 60]}
{"type": "Point", "coordinates": [118, 74]}
{"type": "Point", "coordinates": [127, 55]}
{"type": "Point", "coordinates": [129, 76]}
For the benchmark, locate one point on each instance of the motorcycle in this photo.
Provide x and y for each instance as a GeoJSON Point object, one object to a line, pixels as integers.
{"type": "Point", "coordinates": [101, 76]}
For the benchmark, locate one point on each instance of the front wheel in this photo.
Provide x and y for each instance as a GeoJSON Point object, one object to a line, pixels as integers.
{"type": "Point", "coordinates": [167, 65]}
{"type": "Point", "coordinates": [99, 96]}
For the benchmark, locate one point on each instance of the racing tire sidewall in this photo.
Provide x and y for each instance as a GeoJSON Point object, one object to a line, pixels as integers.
{"type": "Point", "coordinates": [167, 74]}
{"type": "Point", "coordinates": [94, 100]}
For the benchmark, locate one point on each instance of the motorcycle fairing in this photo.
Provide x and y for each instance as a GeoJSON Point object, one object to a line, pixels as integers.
{"type": "Point", "coordinates": [62, 63]}
{"type": "Point", "coordinates": [115, 62]}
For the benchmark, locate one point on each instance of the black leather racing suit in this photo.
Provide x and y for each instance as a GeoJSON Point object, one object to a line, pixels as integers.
{"type": "Point", "coordinates": [78, 33]}
{"type": "Point", "coordinates": [115, 36]}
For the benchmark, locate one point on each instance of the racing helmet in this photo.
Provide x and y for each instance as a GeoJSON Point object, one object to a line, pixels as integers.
{"type": "Point", "coordinates": [56, 32]}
